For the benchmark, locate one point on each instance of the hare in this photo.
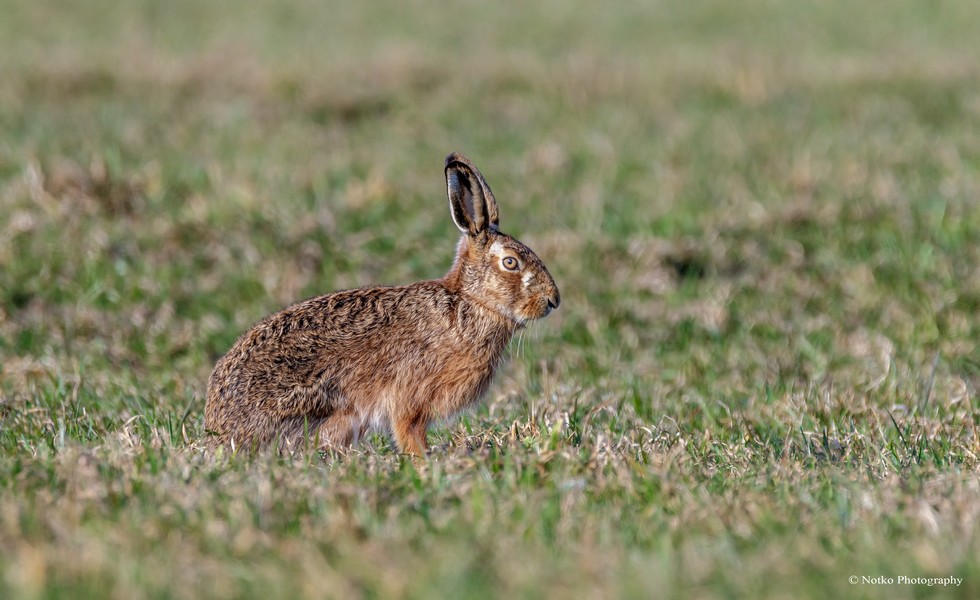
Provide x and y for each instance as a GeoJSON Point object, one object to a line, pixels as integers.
{"type": "Point", "coordinates": [396, 359]}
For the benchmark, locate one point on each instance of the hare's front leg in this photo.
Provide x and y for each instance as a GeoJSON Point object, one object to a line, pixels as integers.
{"type": "Point", "coordinates": [409, 433]}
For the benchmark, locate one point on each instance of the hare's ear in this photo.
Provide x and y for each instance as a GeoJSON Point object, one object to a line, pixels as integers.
{"type": "Point", "coordinates": [471, 202]}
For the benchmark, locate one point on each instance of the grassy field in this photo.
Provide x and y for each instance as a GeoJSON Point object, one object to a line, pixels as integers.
{"type": "Point", "coordinates": [764, 219]}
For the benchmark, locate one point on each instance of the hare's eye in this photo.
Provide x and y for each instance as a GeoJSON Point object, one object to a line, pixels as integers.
{"type": "Point", "coordinates": [510, 263]}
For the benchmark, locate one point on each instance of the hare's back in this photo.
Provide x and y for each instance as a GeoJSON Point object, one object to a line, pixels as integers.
{"type": "Point", "coordinates": [305, 342]}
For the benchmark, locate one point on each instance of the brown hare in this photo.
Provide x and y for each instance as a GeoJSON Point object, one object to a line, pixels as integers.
{"type": "Point", "coordinates": [395, 359]}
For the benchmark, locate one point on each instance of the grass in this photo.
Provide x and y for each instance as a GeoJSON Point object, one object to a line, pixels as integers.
{"type": "Point", "coordinates": [763, 219]}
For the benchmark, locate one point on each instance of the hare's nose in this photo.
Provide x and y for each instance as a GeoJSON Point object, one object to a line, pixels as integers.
{"type": "Point", "coordinates": [554, 301]}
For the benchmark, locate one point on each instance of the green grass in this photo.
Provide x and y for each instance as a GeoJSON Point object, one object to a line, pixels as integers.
{"type": "Point", "coordinates": [762, 216]}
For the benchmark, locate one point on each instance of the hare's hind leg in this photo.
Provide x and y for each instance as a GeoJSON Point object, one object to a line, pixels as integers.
{"type": "Point", "coordinates": [341, 429]}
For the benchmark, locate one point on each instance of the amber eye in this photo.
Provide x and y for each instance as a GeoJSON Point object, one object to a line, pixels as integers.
{"type": "Point", "coordinates": [510, 263]}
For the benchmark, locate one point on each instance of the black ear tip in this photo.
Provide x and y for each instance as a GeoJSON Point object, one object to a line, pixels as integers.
{"type": "Point", "coordinates": [456, 157]}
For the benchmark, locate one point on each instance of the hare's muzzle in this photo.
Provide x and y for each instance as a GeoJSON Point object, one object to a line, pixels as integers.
{"type": "Point", "coordinates": [553, 300]}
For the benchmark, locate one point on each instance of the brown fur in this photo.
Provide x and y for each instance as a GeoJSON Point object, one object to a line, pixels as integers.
{"type": "Point", "coordinates": [331, 368]}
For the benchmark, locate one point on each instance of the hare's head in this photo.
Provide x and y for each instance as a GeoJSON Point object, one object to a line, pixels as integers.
{"type": "Point", "coordinates": [493, 268]}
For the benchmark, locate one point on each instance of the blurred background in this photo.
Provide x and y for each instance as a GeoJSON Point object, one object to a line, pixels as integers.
{"type": "Point", "coordinates": [762, 217]}
{"type": "Point", "coordinates": [780, 173]}
{"type": "Point", "coordinates": [172, 173]}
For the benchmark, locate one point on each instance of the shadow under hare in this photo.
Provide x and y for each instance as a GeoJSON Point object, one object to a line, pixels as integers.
{"type": "Point", "coordinates": [331, 368]}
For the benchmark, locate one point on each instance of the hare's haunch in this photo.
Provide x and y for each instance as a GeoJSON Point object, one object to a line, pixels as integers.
{"type": "Point", "coordinates": [329, 369]}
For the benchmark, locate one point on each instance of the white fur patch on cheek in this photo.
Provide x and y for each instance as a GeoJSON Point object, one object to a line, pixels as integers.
{"type": "Point", "coordinates": [527, 278]}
